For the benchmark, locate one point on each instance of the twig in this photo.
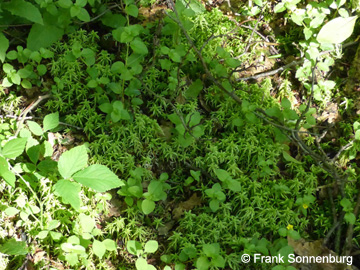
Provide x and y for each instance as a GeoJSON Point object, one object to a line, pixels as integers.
{"type": "Point", "coordinates": [38, 118]}
{"type": "Point", "coordinates": [342, 149]}
{"type": "Point", "coordinates": [272, 72]}
{"type": "Point", "coordinates": [293, 63]}
{"type": "Point", "coordinates": [100, 15]}
{"type": "Point", "coordinates": [27, 110]}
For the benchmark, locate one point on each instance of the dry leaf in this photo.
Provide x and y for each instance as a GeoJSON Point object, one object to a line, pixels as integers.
{"type": "Point", "coordinates": [186, 206]}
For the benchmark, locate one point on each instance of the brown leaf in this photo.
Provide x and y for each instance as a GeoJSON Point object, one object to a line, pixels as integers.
{"type": "Point", "coordinates": [186, 206]}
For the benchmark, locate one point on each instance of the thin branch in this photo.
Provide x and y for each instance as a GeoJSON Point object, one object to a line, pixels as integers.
{"type": "Point", "coordinates": [32, 106]}
{"type": "Point", "coordinates": [342, 149]}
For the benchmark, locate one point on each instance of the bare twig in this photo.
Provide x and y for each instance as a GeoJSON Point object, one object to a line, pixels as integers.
{"type": "Point", "coordinates": [32, 106]}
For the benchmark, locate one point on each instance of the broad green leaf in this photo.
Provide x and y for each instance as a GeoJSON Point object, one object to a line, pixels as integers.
{"type": "Point", "coordinates": [202, 263]}
{"type": "Point", "coordinates": [42, 36]}
{"type": "Point", "coordinates": [117, 67]}
{"type": "Point", "coordinates": [357, 135]}
{"type": "Point", "coordinates": [70, 248]}
{"type": "Point", "coordinates": [218, 261]}
{"type": "Point", "coordinates": [33, 152]}
{"type": "Point", "coordinates": [55, 235]}
{"type": "Point", "coordinates": [133, 247]}
{"type": "Point", "coordinates": [132, 10]}
{"type": "Point", "coordinates": [214, 205]}
{"type": "Point", "coordinates": [72, 258]}
{"type": "Point", "coordinates": [35, 128]}
{"type": "Point", "coordinates": [87, 223]}
{"type": "Point", "coordinates": [99, 248]}
{"type": "Point", "coordinates": [14, 148]}
{"type": "Point", "coordinates": [141, 264]}
{"type": "Point", "coordinates": [11, 211]}
{"type": "Point", "coordinates": [337, 30]}
{"type": "Point", "coordinates": [350, 218]}
{"type": "Point", "coordinates": [24, 9]}
{"type": "Point", "coordinates": [113, 20]}
{"type": "Point", "coordinates": [42, 234]}
{"type": "Point", "coordinates": [147, 206]}
{"type": "Point", "coordinates": [9, 178]}
{"type": "Point", "coordinates": [280, 7]}
{"type": "Point", "coordinates": [110, 245]}
{"type": "Point", "coordinates": [4, 45]}
{"type": "Point", "coordinates": [65, 3]}
{"type": "Point", "coordinates": [222, 174]}
{"type": "Point", "coordinates": [72, 161]}
{"type": "Point", "coordinates": [194, 89]}
{"type": "Point", "coordinates": [4, 166]}
{"type": "Point", "coordinates": [98, 177]}
{"type": "Point", "coordinates": [106, 107]}
{"type": "Point", "coordinates": [13, 247]}
{"type": "Point", "coordinates": [138, 46]}
{"type": "Point", "coordinates": [69, 192]}
{"type": "Point", "coordinates": [83, 15]}
{"type": "Point", "coordinates": [151, 246]}
{"type": "Point", "coordinates": [51, 121]}
{"type": "Point", "coordinates": [53, 224]}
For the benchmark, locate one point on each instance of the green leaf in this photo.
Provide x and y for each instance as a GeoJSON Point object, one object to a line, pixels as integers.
{"type": "Point", "coordinates": [194, 89]}
{"type": "Point", "coordinates": [218, 261]}
{"type": "Point", "coordinates": [24, 9]}
{"type": "Point", "coordinates": [35, 128]}
{"type": "Point", "coordinates": [350, 218]}
{"type": "Point", "coordinates": [283, 232]}
{"type": "Point", "coordinates": [72, 161]}
{"type": "Point", "coordinates": [11, 211]}
{"type": "Point", "coordinates": [294, 235]}
{"type": "Point", "coordinates": [98, 177]}
{"type": "Point", "coordinates": [53, 224]}
{"type": "Point", "coordinates": [147, 206]}
{"type": "Point", "coordinates": [69, 192]}
{"type": "Point", "coordinates": [132, 10]}
{"type": "Point", "coordinates": [222, 175]}
{"type": "Point", "coordinates": [202, 263]}
{"type": "Point", "coordinates": [357, 135]}
{"type": "Point", "coordinates": [9, 178]}
{"type": "Point", "coordinates": [139, 46]}
{"type": "Point", "coordinates": [211, 250]}
{"type": "Point", "coordinates": [83, 15]}
{"type": "Point", "coordinates": [65, 3]}
{"type": "Point", "coordinates": [113, 20]}
{"type": "Point", "coordinates": [117, 67]}
{"type": "Point", "coordinates": [279, 7]}
{"type": "Point", "coordinates": [133, 247]}
{"type": "Point", "coordinates": [106, 107]}
{"type": "Point", "coordinates": [110, 245]}
{"type": "Point", "coordinates": [51, 121]}
{"type": "Point", "coordinates": [42, 36]}
{"type": "Point", "coordinates": [87, 223]}
{"type": "Point", "coordinates": [4, 166]}
{"type": "Point", "coordinates": [337, 30]}
{"type": "Point", "coordinates": [4, 45]}
{"type": "Point", "coordinates": [116, 88]}
{"type": "Point", "coordinates": [99, 248]}
{"type": "Point", "coordinates": [14, 148]}
{"type": "Point", "coordinates": [13, 247]}
{"type": "Point", "coordinates": [214, 205]}
{"type": "Point", "coordinates": [151, 246]}
{"type": "Point", "coordinates": [141, 264]}
{"type": "Point", "coordinates": [289, 158]}
{"type": "Point", "coordinates": [89, 56]}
